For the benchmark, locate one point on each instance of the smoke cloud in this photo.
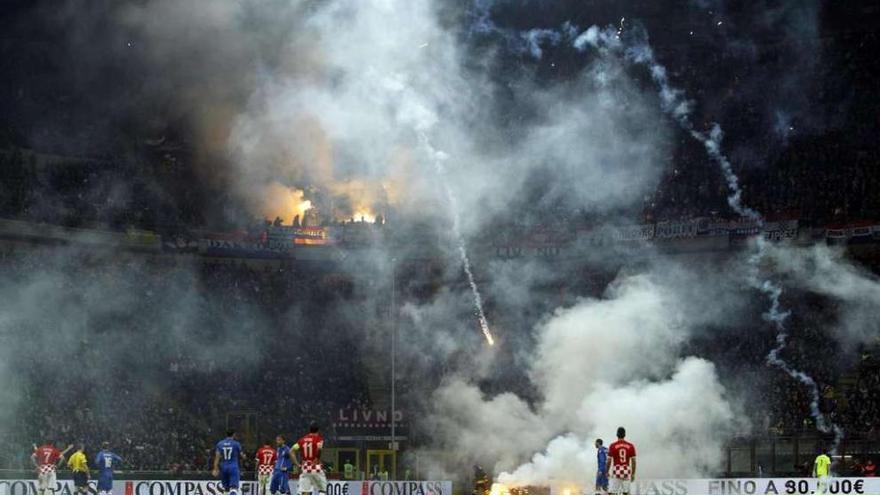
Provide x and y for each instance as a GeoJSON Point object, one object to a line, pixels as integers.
{"type": "Point", "coordinates": [597, 365]}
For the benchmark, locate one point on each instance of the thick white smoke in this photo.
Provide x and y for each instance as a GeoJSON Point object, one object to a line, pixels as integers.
{"type": "Point", "coordinates": [601, 364]}
{"type": "Point", "coordinates": [679, 424]}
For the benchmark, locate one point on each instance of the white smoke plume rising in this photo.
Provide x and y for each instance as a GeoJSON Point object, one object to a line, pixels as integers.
{"type": "Point", "coordinates": [358, 103]}
{"type": "Point", "coordinates": [689, 415]}
{"type": "Point", "coordinates": [598, 365]}
{"type": "Point", "coordinates": [399, 105]}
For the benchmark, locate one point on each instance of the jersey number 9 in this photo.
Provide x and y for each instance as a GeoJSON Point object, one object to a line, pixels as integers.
{"type": "Point", "coordinates": [621, 455]}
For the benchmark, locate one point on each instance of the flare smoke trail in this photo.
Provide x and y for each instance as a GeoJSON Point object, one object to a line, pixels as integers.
{"type": "Point", "coordinates": [437, 157]}
{"type": "Point", "coordinates": [635, 49]}
{"type": "Point", "coordinates": [674, 102]}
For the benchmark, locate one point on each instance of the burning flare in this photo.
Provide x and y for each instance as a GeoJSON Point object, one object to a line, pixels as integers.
{"type": "Point", "coordinates": [280, 201]}
{"type": "Point", "coordinates": [364, 215]}
{"type": "Point", "coordinates": [499, 489]}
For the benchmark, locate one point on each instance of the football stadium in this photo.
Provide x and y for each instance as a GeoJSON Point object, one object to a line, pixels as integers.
{"type": "Point", "coordinates": [439, 247]}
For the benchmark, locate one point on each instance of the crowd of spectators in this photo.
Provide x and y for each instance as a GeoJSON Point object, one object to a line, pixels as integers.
{"type": "Point", "coordinates": [820, 180]}
{"type": "Point", "coordinates": [243, 347]}
{"type": "Point", "coordinates": [864, 397]}
{"type": "Point", "coordinates": [847, 395]}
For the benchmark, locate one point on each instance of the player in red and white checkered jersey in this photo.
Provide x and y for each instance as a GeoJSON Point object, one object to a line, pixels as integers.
{"type": "Point", "coordinates": [312, 475]}
{"type": "Point", "coordinates": [265, 464]}
{"type": "Point", "coordinates": [46, 459]}
{"type": "Point", "coordinates": [621, 464]}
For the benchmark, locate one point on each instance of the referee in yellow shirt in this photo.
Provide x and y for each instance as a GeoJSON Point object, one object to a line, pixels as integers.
{"type": "Point", "coordinates": [80, 467]}
{"type": "Point", "coordinates": [822, 470]}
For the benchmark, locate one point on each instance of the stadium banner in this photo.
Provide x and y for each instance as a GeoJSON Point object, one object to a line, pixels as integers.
{"type": "Point", "coordinates": [745, 486]}
{"type": "Point", "coordinates": [781, 231]}
{"type": "Point", "coordinates": [676, 230]}
{"type": "Point", "coordinates": [205, 487]}
{"type": "Point", "coordinates": [633, 233]}
{"type": "Point", "coordinates": [236, 249]}
{"type": "Point", "coordinates": [359, 422]}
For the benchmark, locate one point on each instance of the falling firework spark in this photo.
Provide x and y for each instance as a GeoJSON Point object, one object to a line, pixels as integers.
{"type": "Point", "coordinates": [475, 291]}
{"type": "Point", "coordinates": [437, 157]}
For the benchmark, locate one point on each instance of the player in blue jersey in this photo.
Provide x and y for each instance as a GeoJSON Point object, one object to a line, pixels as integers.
{"type": "Point", "coordinates": [281, 473]}
{"type": "Point", "coordinates": [105, 460]}
{"type": "Point", "coordinates": [602, 472]}
{"type": "Point", "coordinates": [226, 456]}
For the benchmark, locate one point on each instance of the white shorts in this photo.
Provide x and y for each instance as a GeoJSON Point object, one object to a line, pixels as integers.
{"type": "Point", "coordinates": [618, 485]}
{"type": "Point", "coordinates": [263, 478]}
{"type": "Point", "coordinates": [308, 482]}
{"type": "Point", "coordinates": [46, 481]}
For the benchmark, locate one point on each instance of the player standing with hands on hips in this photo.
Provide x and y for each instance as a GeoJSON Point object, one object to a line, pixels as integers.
{"type": "Point", "coordinates": [312, 477]}
{"type": "Point", "coordinates": [621, 464]}
{"type": "Point", "coordinates": [226, 456]}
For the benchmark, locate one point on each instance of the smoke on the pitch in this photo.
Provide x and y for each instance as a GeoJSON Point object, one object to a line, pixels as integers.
{"type": "Point", "coordinates": [599, 364]}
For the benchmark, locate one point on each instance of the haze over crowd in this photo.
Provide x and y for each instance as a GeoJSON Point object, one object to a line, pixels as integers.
{"type": "Point", "coordinates": [178, 116]}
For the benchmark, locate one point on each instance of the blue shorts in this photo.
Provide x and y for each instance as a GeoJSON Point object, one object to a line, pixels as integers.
{"type": "Point", "coordinates": [229, 477]}
{"type": "Point", "coordinates": [280, 482]}
{"type": "Point", "coordinates": [105, 482]}
{"type": "Point", "coordinates": [602, 481]}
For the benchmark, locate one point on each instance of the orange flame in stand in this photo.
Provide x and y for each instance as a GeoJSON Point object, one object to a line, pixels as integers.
{"type": "Point", "coordinates": [359, 200]}
{"type": "Point", "coordinates": [364, 197]}
{"type": "Point", "coordinates": [364, 215]}
{"type": "Point", "coordinates": [283, 202]}
{"type": "Point", "coordinates": [499, 489]}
